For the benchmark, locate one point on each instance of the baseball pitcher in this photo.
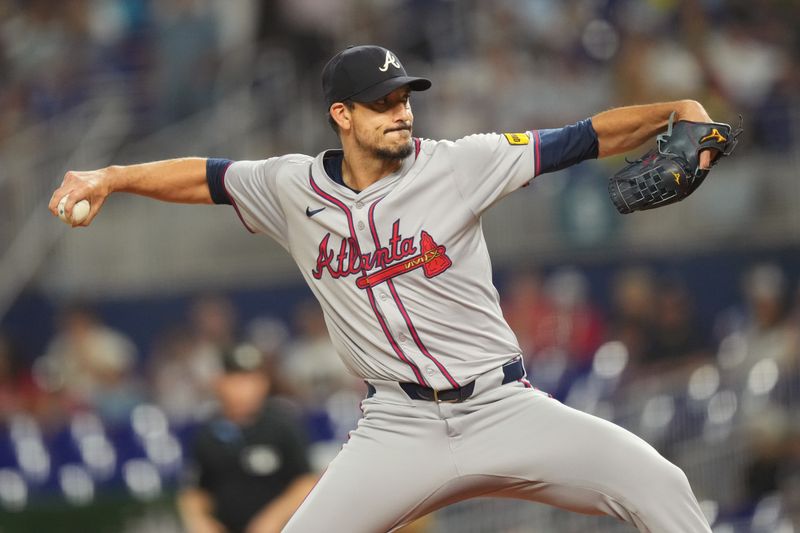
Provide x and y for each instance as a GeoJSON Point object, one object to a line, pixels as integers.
{"type": "Point", "coordinates": [387, 233]}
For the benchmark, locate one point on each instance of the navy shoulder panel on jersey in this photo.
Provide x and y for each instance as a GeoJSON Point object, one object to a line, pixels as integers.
{"type": "Point", "coordinates": [215, 176]}
{"type": "Point", "coordinates": [563, 147]}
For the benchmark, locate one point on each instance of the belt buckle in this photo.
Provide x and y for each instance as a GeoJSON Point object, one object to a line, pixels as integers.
{"type": "Point", "coordinates": [439, 400]}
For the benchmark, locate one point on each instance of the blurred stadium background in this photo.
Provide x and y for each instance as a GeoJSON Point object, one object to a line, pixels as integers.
{"type": "Point", "coordinates": [681, 324]}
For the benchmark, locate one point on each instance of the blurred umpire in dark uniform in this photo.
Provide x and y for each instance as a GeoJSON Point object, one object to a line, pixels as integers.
{"type": "Point", "coordinates": [249, 466]}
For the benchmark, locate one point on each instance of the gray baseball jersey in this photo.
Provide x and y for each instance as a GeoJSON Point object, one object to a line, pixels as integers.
{"type": "Point", "coordinates": [401, 269]}
{"type": "Point", "coordinates": [403, 275]}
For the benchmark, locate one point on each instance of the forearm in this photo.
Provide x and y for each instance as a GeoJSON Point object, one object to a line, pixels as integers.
{"type": "Point", "coordinates": [275, 515]}
{"type": "Point", "coordinates": [174, 180]}
{"type": "Point", "coordinates": [294, 495]}
{"type": "Point", "coordinates": [194, 507]}
{"type": "Point", "coordinates": [625, 128]}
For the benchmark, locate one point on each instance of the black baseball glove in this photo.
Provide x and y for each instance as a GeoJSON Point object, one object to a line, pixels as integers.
{"type": "Point", "coordinates": [671, 171]}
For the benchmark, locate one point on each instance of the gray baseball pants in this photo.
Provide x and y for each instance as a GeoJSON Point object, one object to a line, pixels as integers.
{"type": "Point", "coordinates": [409, 457]}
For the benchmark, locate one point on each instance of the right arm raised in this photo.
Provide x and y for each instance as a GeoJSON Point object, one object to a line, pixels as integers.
{"type": "Point", "coordinates": [175, 180]}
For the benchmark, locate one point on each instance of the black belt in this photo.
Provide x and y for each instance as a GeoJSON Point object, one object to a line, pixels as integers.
{"type": "Point", "coordinates": [512, 371]}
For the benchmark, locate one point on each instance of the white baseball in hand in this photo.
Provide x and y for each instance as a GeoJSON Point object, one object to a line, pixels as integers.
{"type": "Point", "coordinates": [79, 211]}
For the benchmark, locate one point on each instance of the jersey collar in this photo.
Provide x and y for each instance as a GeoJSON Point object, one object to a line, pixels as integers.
{"type": "Point", "coordinates": [378, 188]}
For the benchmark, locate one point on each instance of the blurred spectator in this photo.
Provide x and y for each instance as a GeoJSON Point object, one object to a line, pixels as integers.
{"type": "Point", "coordinates": [579, 328]}
{"type": "Point", "coordinates": [213, 322]}
{"type": "Point", "coordinates": [764, 330]}
{"type": "Point", "coordinates": [187, 49]}
{"type": "Point", "coordinates": [669, 71]}
{"type": "Point", "coordinates": [250, 467]}
{"type": "Point", "coordinates": [45, 47]}
{"type": "Point", "coordinates": [17, 389]}
{"type": "Point", "coordinates": [185, 361]}
{"type": "Point", "coordinates": [531, 315]}
{"type": "Point", "coordinates": [770, 440]}
{"type": "Point", "coordinates": [555, 323]}
{"type": "Point", "coordinates": [92, 364]}
{"type": "Point", "coordinates": [676, 340]}
{"type": "Point", "coordinates": [122, 33]}
{"type": "Point", "coordinates": [311, 365]}
{"type": "Point", "coordinates": [527, 308]}
{"type": "Point", "coordinates": [182, 376]}
{"type": "Point", "coordinates": [746, 65]}
{"type": "Point", "coordinates": [633, 311]}
{"type": "Point", "coordinates": [271, 335]}
{"type": "Point", "coordinates": [302, 26]}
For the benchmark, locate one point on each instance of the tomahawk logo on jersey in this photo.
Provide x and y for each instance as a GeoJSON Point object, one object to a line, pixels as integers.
{"type": "Point", "coordinates": [403, 275]}
{"type": "Point", "coordinates": [369, 267]}
{"type": "Point", "coordinates": [390, 261]}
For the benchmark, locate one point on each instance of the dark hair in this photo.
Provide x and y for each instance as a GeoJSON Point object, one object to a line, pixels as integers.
{"type": "Point", "coordinates": [349, 104]}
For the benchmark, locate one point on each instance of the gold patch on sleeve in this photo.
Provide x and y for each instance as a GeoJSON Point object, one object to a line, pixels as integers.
{"type": "Point", "coordinates": [516, 138]}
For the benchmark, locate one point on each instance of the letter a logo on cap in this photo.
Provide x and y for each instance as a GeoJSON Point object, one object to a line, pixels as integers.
{"type": "Point", "coordinates": [390, 60]}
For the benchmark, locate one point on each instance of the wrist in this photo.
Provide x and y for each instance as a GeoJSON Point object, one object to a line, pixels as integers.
{"type": "Point", "coordinates": [692, 110]}
{"type": "Point", "coordinates": [114, 179]}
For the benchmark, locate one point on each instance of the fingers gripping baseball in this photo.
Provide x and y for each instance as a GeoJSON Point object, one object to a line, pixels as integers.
{"type": "Point", "coordinates": [77, 187]}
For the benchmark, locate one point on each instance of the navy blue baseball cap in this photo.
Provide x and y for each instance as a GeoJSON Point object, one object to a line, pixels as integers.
{"type": "Point", "coordinates": [364, 74]}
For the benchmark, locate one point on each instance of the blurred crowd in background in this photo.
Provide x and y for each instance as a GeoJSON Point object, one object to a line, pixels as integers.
{"type": "Point", "coordinates": [642, 356]}
{"type": "Point", "coordinates": [611, 358]}
{"type": "Point", "coordinates": [175, 57]}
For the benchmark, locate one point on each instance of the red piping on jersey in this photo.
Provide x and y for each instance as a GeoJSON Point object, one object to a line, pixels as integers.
{"type": "Point", "coordinates": [402, 308]}
{"type": "Point", "coordinates": [370, 295]}
{"type": "Point", "coordinates": [537, 165]}
{"type": "Point", "coordinates": [417, 146]}
{"type": "Point", "coordinates": [233, 202]}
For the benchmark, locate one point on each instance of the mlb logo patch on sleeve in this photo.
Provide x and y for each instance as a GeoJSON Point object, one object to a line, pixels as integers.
{"type": "Point", "coordinates": [516, 138]}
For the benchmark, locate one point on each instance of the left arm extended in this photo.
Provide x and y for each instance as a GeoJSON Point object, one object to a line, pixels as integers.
{"type": "Point", "coordinates": [625, 128]}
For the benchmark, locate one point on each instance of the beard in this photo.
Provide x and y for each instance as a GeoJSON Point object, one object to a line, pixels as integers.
{"type": "Point", "coordinates": [388, 153]}
{"type": "Point", "coordinates": [393, 154]}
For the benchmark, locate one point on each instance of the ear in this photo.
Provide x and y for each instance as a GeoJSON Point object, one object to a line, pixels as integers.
{"type": "Point", "coordinates": [342, 115]}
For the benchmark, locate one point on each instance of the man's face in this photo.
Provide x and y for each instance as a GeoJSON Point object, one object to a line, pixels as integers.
{"type": "Point", "coordinates": [383, 127]}
{"type": "Point", "coordinates": [241, 394]}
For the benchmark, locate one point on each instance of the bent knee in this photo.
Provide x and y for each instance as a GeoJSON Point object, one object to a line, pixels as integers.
{"type": "Point", "coordinates": [668, 503]}
{"type": "Point", "coordinates": [673, 477]}
{"type": "Point", "coordinates": [664, 486]}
